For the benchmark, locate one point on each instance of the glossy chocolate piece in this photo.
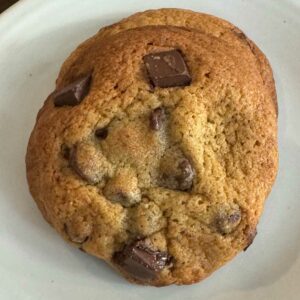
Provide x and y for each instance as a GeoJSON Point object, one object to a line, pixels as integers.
{"type": "Point", "coordinates": [167, 69]}
{"type": "Point", "coordinates": [157, 118]}
{"type": "Point", "coordinates": [73, 93]}
{"type": "Point", "coordinates": [140, 261]}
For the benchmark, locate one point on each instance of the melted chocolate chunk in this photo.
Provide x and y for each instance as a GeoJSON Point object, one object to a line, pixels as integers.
{"type": "Point", "coordinates": [65, 150]}
{"type": "Point", "coordinates": [157, 118]}
{"type": "Point", "coordinates": [73, 93]}
{"type": "Point", "coordinates": [101, 133]}
{"type": "Point", "coordinates": [140, 261]}
{"type": "Point", "coordinates": [227, 222]}
{"type": "Point", "coordinates": [177, 174]}
{"type": "Point", "coordinates": [251, 236]}
{"type": "Point", "coordinates": [185, 179]}
{"type": "Point", "coordinates": [167, 69]}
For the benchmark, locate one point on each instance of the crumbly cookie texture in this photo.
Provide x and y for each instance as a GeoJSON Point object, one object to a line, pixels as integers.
{"type": "Point", "coordinates": [158, 148]}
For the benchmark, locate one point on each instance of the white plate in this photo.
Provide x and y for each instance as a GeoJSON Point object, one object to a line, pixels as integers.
{"type": "Point", "coordinates": [35, 38]}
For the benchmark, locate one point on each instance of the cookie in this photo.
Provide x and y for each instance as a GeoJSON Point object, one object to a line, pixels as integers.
{"type": "Point", "coordinates": [158, 147]}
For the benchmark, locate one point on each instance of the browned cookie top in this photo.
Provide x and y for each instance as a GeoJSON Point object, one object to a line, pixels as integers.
{"type": "Point", "coordinates": [157, 151]}
{"type": "Point", "coordinates": [205, 23]}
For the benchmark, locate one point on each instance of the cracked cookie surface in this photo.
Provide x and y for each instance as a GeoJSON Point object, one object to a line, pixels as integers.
{"type": "Point", "coordinates": [163, 174]}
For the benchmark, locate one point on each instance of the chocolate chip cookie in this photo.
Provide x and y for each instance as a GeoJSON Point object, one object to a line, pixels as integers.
{"type": "Point", "coordinates": [158, 147]}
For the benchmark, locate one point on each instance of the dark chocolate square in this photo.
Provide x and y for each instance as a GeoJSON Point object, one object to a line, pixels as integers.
{"type": "Point", "coordinates": [167, 69]}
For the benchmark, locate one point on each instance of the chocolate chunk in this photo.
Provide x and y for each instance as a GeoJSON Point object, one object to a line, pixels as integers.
{"type": "Point", "coordinates": [140, 261]}
{"type": "Point", "coordinates": [65, 151]}
{"type": "Point", "coordinates": [119, 197]}
{"type": "Point", "coordinates": [167, 69]}
{"type": "Point", "coordinates": [73, 93]}
{"type": "Point", "coordinates": [185, 178]}
{"type": "Point", "coordinates": [101, 133]}
{"type": "Point", "coordinates": [157, 118]}
{"type": "Point", "coordinates": [177, 174]}
{"type": "Point", "coordinates": [251, 236]}
{"type": "Point", "coordinates": [227, 222]}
